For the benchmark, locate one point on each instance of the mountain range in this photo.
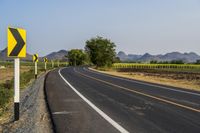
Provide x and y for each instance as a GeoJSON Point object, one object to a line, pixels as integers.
{"type": "Point", "coordinates": [186, 57]}
{"type": "Point", "coordinates": [59, 55]}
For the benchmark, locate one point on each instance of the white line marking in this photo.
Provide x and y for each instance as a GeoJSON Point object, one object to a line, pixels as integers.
{"type": "Point", "coordinates": [106, 117]}
{"type": "Point", "coordinates": [130, 80]}
{"type": "Point", "coordinates": [64, 112]}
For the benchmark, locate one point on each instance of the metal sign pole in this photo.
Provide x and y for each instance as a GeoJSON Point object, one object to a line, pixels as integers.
{"type": "Point", "coordinates": [16, 88]}
{"type": "Point", "coordinates": [35, 70]}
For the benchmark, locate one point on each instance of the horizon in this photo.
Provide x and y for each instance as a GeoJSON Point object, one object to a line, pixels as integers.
{"type": "Point", "coordinates": [138, 27]}
{"type": "Point", "coordinates": [116, 52]}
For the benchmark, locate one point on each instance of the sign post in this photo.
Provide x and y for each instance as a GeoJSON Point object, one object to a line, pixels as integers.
{"type": "Point", "coordinates": [52, 63]}
{"type": "Point", "coordinates": [16, 49]}
{"type": "Point", "coordinates": [16, 87]}
{"type": "Point", "coordinates": [58, 63]}
{"type": "Point", "coordinates": [45, 64]}
{"type": "Point", "coordinates": [35, 59]}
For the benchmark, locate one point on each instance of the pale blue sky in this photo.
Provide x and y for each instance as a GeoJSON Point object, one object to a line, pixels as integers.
{"type": "Point", "coordinates": [136, 26]}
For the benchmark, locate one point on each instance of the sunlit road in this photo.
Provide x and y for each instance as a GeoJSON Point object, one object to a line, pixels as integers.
{"type": "Point", "coordinates": [82, 100]}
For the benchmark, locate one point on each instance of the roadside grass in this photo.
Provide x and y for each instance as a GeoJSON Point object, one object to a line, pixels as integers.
{"type": "Point", "coordinates": [27, 75]}
{"type": "Point", "coordinates": [7, 86]}
{"type": "Point", "coordinates": [6, 89]}
{"type": "Point", "coordinates": [5, 97]}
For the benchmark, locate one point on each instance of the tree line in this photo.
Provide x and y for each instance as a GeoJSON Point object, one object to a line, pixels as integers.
{"type": "Point", "coordinates": [98, 51]}
{"type": "Point", "coordinates": [101, 52]}
{"type": "Point", "coordinates": [173, 62]}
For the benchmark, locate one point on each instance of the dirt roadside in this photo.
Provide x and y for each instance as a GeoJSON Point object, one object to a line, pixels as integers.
{"type": "Point", "coordinates": [34, 116]}
{"type": "Point", "coordinates": [175, 80]}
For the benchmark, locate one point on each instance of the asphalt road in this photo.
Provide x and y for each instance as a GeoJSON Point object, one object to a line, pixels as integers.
{"type": "Point", "coordinates": [82, 100]}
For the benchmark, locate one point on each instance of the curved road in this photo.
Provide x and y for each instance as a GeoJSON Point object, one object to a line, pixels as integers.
{"type": "Point", "coordinates": [82, 100]}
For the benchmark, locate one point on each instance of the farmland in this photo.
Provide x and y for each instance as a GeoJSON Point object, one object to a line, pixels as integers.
{"type": "Point", "coordinates": [190, 68]}
{"type": "Point", "coordinates": [185, 76]}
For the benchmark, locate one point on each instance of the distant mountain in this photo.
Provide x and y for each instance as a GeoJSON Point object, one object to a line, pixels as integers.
{"type": "Point", "coordinates": [134, 56]}
{"type": "Point", "coordinates": [60, 55]}
{"type": "Point", "coordinates": [186, 57]}
{"type": "Point", "coordinates": [122, 56]}
{"type": "Point", "coordinates": [3, 56]}
{"type": "Point", "coordinates": [128, 57]}
{"type": "Point", "coordinates": [147, 57]}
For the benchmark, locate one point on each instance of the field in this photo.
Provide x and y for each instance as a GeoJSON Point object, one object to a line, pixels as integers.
{"type": "Point", "coordinates": [188, 68]}
{"type": "Point", "coordinates": [185, 76]}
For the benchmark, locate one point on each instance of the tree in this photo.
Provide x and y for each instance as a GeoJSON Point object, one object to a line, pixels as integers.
{"type": "Point", "coordinates": [177, 62]}
{"type": "Point", "coordinates": [76, 57]}
{"type": "Point", "coordinates": [153, 62]}
{"type": "Point", "coordinates": [101, 51]}
{"type": "Point", "coordinates": [198, 62]}
{"type": "Point", "coordinates": [117, 60]}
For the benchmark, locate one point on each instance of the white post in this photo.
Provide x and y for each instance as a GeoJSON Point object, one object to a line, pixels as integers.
{"type": "Point", "coordinates": [52, 64]}
{"type": "Point", "coordinates": [45, 66]}
{"type": "Point", "coordinates": [35, 70]}
{"type": "Point", "coordinates": [16, 88]}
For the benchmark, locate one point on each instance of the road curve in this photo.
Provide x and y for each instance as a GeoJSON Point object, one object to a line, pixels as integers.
{"type": "Point", "coordinates": [81, 100]}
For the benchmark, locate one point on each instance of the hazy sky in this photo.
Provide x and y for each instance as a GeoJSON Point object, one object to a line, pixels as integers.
{"type": "Point", "coordinates": [136, 26]}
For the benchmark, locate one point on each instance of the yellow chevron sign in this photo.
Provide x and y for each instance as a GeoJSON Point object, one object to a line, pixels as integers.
{"type": "Point", "coordinates": [45, 60]}
{"type": "Point", "coordinates": [35, 58]}
{"type": "Point", "coordinates": [16, 42]}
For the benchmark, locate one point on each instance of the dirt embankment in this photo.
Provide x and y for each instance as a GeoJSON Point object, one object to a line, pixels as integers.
{"type": "Point", "coordinates": [186, 80]}
{"type": "Point", "coordinates": [34, 116]}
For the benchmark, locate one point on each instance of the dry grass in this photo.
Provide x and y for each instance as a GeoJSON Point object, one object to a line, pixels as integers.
{"type": "Point", "coordinates": [8, 72]}
{"type": "Point", "coordinates": [6, 114]}
{"type": "Point", "coordinates": [155, 78]}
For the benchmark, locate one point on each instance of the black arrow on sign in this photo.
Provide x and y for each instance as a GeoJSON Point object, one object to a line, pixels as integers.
{"type": "Point", "coordinates": [36, 58]}
{"type": "Point", "coordinates": [20, 42]}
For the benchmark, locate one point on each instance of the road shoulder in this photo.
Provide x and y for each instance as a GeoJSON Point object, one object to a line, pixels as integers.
{"type": "Point", "coordinates": [34, 116]}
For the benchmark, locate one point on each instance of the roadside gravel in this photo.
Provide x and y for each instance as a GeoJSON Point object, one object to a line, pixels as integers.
{"type": "Point", "coordinates": [34, 116]}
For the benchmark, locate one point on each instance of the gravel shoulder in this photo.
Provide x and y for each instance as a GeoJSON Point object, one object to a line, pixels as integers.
{"type": "Point", "coordinates": [34, 115]}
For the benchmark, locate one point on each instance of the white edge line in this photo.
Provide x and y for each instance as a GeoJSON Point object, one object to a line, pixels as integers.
{"type": "Point", "coordinates": [167, 88]}
{"type": "Point", "coordinates": [106, 117]}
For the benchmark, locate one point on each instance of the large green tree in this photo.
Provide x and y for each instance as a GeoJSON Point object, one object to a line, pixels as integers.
{"type": "Point", "coordinates": [76, 57]}
{"type": "Point", "coordinates": [101, 51]}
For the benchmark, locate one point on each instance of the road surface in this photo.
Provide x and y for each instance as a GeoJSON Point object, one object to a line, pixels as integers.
{"type": "Point", "coordinates": [82, 100]}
